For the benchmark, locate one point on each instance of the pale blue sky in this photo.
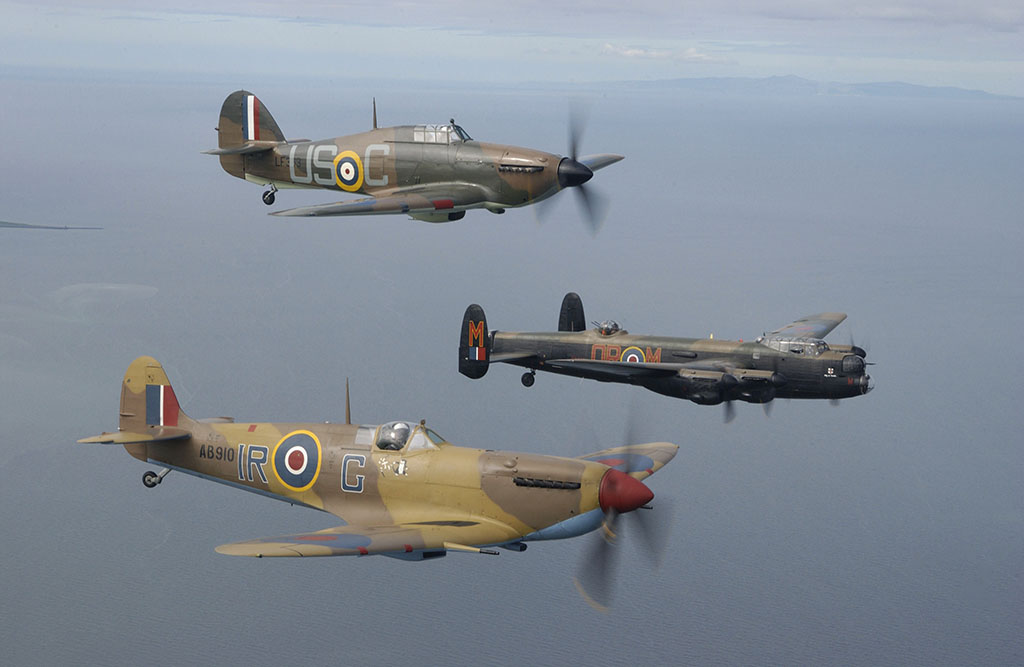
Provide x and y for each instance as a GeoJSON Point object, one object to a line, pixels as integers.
{"type": "Point", "coordinates": [929, 42]}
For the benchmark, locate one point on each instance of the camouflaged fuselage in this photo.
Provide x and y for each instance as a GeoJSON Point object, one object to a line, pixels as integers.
{"type": "Point", "coordinates": [806, 374]}
{"type": "Point", "coordinates": [504, 176]}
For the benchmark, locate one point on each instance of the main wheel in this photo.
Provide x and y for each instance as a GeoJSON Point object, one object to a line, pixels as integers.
{"type": "Point", "coordinates": [268, 197]}
{"type": "Point", "coordinates": [528, 379]}
{"type": "Point", "coordinates": [150, 479]}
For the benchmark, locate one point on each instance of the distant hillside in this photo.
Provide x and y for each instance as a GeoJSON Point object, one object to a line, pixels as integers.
{"type": "Point", "coordinates": [795, 85]}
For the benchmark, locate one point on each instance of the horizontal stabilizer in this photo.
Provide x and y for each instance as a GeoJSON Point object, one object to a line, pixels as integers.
{"type": "Point", "coordinates": [247, 147]}
{"type": "Point", "coordinates": [639, 461]}
{"type": "Point", "coordinates": [155, 434]}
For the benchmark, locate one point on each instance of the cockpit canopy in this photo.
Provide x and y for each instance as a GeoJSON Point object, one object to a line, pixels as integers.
{"type": "Point", "coordinates": [439, 134]}
{"type": "Point", "coordinates": [408, 435]}
{"type": "Point", "coordinates": [810, 347]}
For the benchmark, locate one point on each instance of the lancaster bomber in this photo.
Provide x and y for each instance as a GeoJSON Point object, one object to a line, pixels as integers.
{"type": "Point", "coordinates": [401, 489]}
{"type": "Point", "coordinates": [433, 172]}
{"type": "Point", "coordinates": [790, 362]}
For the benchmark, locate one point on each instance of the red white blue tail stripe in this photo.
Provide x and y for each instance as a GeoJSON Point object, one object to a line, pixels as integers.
{"type": "Point", "coordinates": [161, 405]}
{"type": "Point", "coordinates": [478, 353]}
{"type": "Point", "coordinates": [251, 118]}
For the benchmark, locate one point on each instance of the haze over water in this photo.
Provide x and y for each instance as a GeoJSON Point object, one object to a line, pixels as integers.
{"type": "Point", "coordinates": [887, 530]}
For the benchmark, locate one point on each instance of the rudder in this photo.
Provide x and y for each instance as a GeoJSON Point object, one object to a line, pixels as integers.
{"type": "Point", "coordinates": [243, 119]}
{"type": "Point", "coordinates": [570, 317]}
{"type": "Point", "coordinates": [147, 398]}
{"type": "Point", "coordinates": [474, 343]}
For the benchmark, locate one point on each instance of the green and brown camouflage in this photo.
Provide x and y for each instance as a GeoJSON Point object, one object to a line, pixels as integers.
{"type": "Point", "coordinates": [429, 172]}
{"type": "Point", "coordinates": [401, 489]}
{"type": "Point", "coordinates": [790, 362]}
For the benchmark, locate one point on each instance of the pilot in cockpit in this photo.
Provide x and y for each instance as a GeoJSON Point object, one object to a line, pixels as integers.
{"type": "Point", "coordinates": [608, 327]}
{"type": "Point", "coordinates": [393, 436]}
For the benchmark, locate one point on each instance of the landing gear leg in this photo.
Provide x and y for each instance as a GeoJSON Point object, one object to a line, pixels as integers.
{"type": "Point", "coordinates": [268, 196]}
{"type": "Point", "coordinates": [529, 378]}
{"type": "Point", "coordinates": [150, 479]}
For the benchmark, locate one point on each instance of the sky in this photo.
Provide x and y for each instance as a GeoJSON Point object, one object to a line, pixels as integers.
{"type": "Point", "coordinates": [927, 42]}
{"type": "Point", "coordinates": [886, 530]}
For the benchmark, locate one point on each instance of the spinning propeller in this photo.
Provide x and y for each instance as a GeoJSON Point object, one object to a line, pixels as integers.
{"type": "Point", "coordinates": [620, 495]}
{"type": "Point", "coordinates": [574, 173]}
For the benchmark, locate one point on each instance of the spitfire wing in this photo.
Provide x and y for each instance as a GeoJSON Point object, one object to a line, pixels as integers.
{"type": "Point", "coordinates": [812, 326]}
{"type": "Point", "coordinates": [639, 461]}
{"type": "Point", "coordinates": [432, 200]}
{"type": "Point", "coordinates": [394, 540]}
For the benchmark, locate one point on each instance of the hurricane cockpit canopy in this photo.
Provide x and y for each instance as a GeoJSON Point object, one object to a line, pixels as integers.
{"type": "Point", "coordinates": [457, 131]}
{"type": "Point", "coordinates": [608, 327]}
{"type": "Point", "coordinates": [439, 134]}
{"type": "Point", "coordinates": [398, 435]}
{"type": "Point", "coordinates": [810, 347]}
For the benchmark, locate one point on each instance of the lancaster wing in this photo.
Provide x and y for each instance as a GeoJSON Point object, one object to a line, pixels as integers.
{"type": "Point", "coordinates": [400, 540]}
{"type": "Point", "coordinates": [812, 326]}
{"type": "Point", "coordinates": [614, 370]}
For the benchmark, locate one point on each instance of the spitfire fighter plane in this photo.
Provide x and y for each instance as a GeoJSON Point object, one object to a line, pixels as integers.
{"type": "Point", "coordinates": [401, 489]}
{"type": "Point", "coordinates": [433, 173]}
{"type": "Point", "coordinates": [790, 362]}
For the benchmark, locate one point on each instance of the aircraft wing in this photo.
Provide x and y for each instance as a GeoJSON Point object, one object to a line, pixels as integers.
{"type": "Point", "coordinates": [600, 161]}
{"type": "Point", "coordinates": [615, 369]}
{"type": "Point", "coordinates": [393, 540]}
{"type": "Point", "coordinates": [434, 199]}
{"type": "Point", "coordinates": [812, 326]}
{"type": "Point", "coordinates": [639, 461]}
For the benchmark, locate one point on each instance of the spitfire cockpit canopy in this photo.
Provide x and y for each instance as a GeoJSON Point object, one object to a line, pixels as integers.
{"type": "Point", "coordinates": [439, 134]}
{"type": "Point", "coordinates": [810, 347]}
{"type": "Point", "coordinates": [398, 435]}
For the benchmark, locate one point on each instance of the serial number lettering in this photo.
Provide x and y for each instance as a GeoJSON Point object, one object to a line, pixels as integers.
{"type": "Point", "coordinates": [216, 453]}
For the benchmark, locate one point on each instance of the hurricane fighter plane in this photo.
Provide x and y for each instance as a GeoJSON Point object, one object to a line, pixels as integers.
{"type": "Point", "coordinates": [790, 362]}
{"type": "Point", "coordinates": [401, 489]}
{"type": "Point", "coordinates": [430, 172]}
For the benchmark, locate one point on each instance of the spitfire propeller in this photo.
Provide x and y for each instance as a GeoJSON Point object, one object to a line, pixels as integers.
{"type": "Point", "coordinates": [620, 494]}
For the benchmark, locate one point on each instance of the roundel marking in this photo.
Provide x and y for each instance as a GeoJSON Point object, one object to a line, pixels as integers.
{"type": "Point", "coordinates": [348, 171]}
{"type": "Point", "coordinates": [633, 355]}
{"type": "Point", "coordinates": [296, 460]}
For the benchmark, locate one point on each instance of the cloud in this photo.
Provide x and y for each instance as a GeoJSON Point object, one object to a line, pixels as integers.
{"type": "Point", "coordinates": [688, 55]}
{"type": "Point", "coordinates": [635, 52]}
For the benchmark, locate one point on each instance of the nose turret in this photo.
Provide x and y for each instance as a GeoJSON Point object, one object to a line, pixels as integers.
{"type": "Point", "coordinates": [622, 493]}
{"type": "Point", "coordinates": [572, 173]}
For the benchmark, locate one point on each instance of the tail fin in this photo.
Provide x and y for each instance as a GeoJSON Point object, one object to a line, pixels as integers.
{"type": "Point", "coordinates": [245, 126]}
{"type": "Point", "coordinates": [570, 318]}
{"type": "Point", "coordinates": [474, 343]}
{"type": "Point", "coordinates": [147, 398]}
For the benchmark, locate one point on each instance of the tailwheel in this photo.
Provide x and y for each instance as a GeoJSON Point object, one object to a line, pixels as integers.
{"type": "Point", "coordinates": [150, 479]}
{"type": "Point", "coordinates": [268, 196]}
{"type": "Point", "coordinates": [529, 378]}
